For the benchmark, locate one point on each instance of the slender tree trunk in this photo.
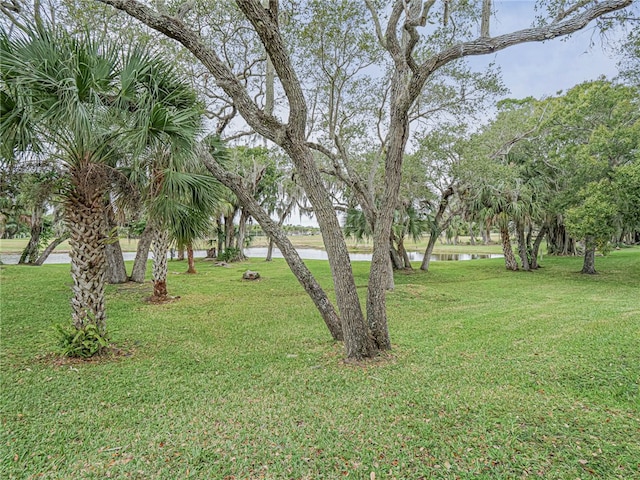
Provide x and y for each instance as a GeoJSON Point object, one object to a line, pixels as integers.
{"type": "Point", "coordinates": [394, 255]}
{"type": "Point", "coordinates": [30, 252]}
{"type": "Point", "coordinates": [487, 233]}
{"type": "Point", "coordinates": [242, 231]}
{"type": "Point", "coordinates": [180, 255]}
{"type": "Point", "coordinates": [116, 270]}
{"type": "Point", "coordinates": [406, 261]}
{"type": "Point", "coordinates": [190, 259]}
{"type": "Point", "coordinates": [472, 238]}
{"type": "Point", "coordinates": [269, 250]}
{"type": "Point", "coordinates": [297, 266]}
{"type": "Point", "coordinates": [229, 229]}
{"type": "Point", "coordinates": [142, 255]}
{"type": "Point", "coordinates": [50, 248]}
{"type": "Point", "coordinates": [509, 258]}
{"type": "Point", "coordinates": [357, 339]}
{"type": "Point", "coordinates": [426, 261]}
{"type": "Point", "coordinates": [536, 246]}
{"type": "Point", "coordinates": [160, 245]}
{"type": "Point", "coordinates": [589, 264]}
{"type": "Point", "coordinates": [522, 246]}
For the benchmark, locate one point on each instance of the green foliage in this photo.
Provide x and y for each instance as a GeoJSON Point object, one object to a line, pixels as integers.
{"type": "Point", "coordinates": [80, 343]}
{"type": "Point", "coordinates": [229, 254]}
{"type": "Point", "coordinates": [594, 216]}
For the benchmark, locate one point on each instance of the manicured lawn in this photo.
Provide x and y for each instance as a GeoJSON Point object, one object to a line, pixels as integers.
{"type": "Point", "coordinates": [494, 374]}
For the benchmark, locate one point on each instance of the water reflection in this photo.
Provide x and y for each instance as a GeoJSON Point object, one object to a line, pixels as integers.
{"type": "Point", "coordinates": [261, 252]}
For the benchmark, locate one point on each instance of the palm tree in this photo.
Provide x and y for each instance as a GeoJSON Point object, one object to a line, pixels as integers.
{"type": "Point", "coordinates": [87, 100]}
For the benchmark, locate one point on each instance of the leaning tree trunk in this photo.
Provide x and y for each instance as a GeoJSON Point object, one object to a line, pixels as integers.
{"type": "Point", "coordinates": [190, 260]}
{"type": "Point", "coordinates": [589, 264]}
{"type": "Point", "coordinates": [394, 255]}
{"type": "Point", "coordinates": [275, 232]}
{"type": "Point", "coordinates": [160, 245]}
{"type": "Point", "coordinates": [142, 255]}
{"type": "Point", "coordinates": [50, 248]}
{"type": "Point", "coordinates": [535, 250]}
{"type": "Point", "coordinates": [426, 260]}
{"type": "Point", "coordinates": [509, 258]}
{"type": "Point", "coordinates": [84, 215]}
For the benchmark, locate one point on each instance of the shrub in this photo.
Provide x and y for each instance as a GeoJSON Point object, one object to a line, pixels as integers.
{"type": "Point", "coordinates": [83, 343]}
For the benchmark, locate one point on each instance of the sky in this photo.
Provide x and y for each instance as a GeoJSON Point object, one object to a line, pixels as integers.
{"type": "Point", "coordinates": [538, 69]}
{"type": "Point", "coordinates": [543, 69]}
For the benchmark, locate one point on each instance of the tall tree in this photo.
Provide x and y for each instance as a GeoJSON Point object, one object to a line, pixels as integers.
{"type": "Point", "coordinates": [84, 98]}
{"type": "Point", "coordinates": [411, 68]}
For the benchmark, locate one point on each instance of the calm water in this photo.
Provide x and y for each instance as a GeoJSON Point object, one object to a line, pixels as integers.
{"type": "Point", "coordinates": [305, 253]}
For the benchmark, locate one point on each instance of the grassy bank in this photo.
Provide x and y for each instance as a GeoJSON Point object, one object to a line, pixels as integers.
{"type": "Point", "coordinates": [494, 374]}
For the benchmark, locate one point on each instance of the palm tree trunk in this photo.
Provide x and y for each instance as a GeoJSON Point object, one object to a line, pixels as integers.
{"type": "Point", "coordinates": [116, 270]}
{"type": "Point", "coordinates": [86, 224]}
{"type": "Point", "coordinates": [160, 245]}
{"type": "Point", "coordinates": [509, 258]}
{"type": "Point", "coordinates": [190, 260]}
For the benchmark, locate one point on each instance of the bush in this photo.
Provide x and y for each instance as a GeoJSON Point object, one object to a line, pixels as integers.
{"type": "Point", "coordinates": [83, 343]}
{"type": "Point", "coordinates": [230, 254]}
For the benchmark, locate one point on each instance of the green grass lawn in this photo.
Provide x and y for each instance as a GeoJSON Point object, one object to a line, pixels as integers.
{"type": "Point", "coordinates": [494, 374]}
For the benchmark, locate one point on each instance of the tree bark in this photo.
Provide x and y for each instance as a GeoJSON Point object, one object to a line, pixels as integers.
{"type": "Point", "coordinates": [142, 255]}
{"type": "Point", "coordinates": [436, 228]}
{"type": "Point", "coordinates": [116, 270]}
{"type": "Point", "coordinates": [85, 219]}
{"type": "Point", "coordinates": [509, 258]}
{"type": "Point", "coordinates": [536, 246]}
{"type": "Point", "coordinates": [190, 260]}
{"type": "Point", "coordinates": [269, 250]}
{"type": "Point", "coordinates": [426, 261]}
{"type": "Point", "coordinates": [522, 246]}
{"type": "Point", "coordinates": [160, 245]}
{"type": "Point", "coordinates": [30, 252]}
{"type": "Point", "coordinates": [589, 264]}
{"type": "Point", "coordinates": [242, 231]}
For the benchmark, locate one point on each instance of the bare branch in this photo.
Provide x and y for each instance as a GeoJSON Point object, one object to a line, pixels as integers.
{"type": "Point", "coordinates": [482, 46]}
{"type": "Point", "coordinates": [376, 22]}
{"type": "Point", "coordinates": [269, 33]}
{"type": "Point", "coordinates": [572, 9]}
{"type": "Point", "coordinates": [486, 16]}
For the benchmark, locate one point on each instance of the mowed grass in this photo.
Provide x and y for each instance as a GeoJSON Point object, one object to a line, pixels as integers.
{"type": "Point", "coordinates": [493, 374]}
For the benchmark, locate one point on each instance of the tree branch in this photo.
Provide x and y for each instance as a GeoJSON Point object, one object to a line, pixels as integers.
{"type": "Point", "coordinates": [266, 125]}
{"type": "Point", "coordinates": [482, 46]}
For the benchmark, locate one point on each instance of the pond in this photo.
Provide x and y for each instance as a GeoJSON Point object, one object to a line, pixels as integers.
{"type": "Point", "coordinates": [261, 252]}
